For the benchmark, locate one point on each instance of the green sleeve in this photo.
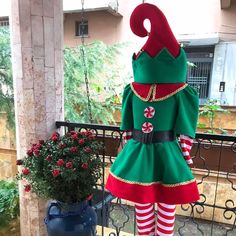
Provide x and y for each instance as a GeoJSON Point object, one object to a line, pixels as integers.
{"type": "Point", "coordinates": [127, 114]}
{"type": "Point", "coordinates": [187, 112]}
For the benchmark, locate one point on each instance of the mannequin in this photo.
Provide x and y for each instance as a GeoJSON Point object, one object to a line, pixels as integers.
{"type": "Point", "coordinates": [153, 167]}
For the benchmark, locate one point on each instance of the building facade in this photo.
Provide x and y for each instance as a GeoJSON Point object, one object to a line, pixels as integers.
{"type": "Point", "coordinates": [207, 30]}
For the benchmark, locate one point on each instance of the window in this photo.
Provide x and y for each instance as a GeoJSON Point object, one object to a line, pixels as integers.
{"type": "Point", "coordinates": [81, 28]}
{"type": "Point", "coordinates": [4, 21]}
{"type": "Point", "coordinates": [199, 75]}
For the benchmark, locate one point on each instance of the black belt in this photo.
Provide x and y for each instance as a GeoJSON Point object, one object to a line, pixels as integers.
{"type": "Point", "coordinates": [154, 136]}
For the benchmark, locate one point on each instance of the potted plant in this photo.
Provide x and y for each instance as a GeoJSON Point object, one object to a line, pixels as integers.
{"type": "Point", "coordinates": [66, 169]}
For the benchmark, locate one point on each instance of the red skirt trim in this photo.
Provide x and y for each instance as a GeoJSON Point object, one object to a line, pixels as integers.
{"type": "Point", "coordinates": [156, 192]}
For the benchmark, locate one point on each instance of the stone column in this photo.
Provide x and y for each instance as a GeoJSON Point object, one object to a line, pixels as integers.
{"type": "Point", "coordinates": [37, 57]}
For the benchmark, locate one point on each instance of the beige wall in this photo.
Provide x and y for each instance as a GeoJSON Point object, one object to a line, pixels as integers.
{"type": "Point", "coordinates": [102, 26]}
{"type": "Point", "coordinates": [227, 28]}
{"type": "Point", "coordinates": [184, 16]}
{"type": "Point", "coordinates": [191, 17]}
{"type": "Point", "coordinates": [198, 17]}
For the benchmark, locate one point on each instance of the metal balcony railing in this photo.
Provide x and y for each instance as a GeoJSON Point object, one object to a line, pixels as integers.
{"type": "Point", "coordinates": [214, 157]}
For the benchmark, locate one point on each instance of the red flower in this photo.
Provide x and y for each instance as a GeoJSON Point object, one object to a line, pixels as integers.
{"type": "Point", "coordinates": [19, 162]}
{"type": "Point", "coordinates": [55, 172]}
{"type": "Point", "coordinates": [72, 132]}
{"type": "Point", "coordinates": [91, 137]}
{"type": "Point", "coordinates": [27, 188]}
{"type": "Point", "coordinates": [69, 165]}
{"type": "Point", "coordinates": [74, 149]}
{"type": "Point", "coordinates": [60, 162]}
{"type": "Point", "coordinates": [36, 152]}
{"type": "Point", "coordinates": [30, 152]}
{"type": "Point", "coordinates": [88, 133]}
{"type": "Point", "coordinates": [84, 165]}
{"type": "Point", "coordinates": [62, 145]}
{"type": "Point", "coordinates": [74, 136]}
{"type": "Point", "coordinates": [55, 136]}
{"type": "Point", "coordinates": [82, 133]}
{"type": "Point", "coordinates": [81, 142]}
{"type": "Point", "coordinates": [48, 158]}
{"type": "Point", "coordinates": [25, 171]}
{"type": "Point", "coordinates": [87, 150]}
{"type": "Point", "coordinates": [37, 146]}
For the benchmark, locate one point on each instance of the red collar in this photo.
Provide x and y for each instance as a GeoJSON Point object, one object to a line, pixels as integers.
{"type": "Point", "coordinates": [156, 92]}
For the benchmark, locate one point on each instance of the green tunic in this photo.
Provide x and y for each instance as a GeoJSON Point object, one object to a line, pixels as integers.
{"type": "Point", "coordinates": [158, 161]}
{"type": "Point", "coordinates": [179, 112]}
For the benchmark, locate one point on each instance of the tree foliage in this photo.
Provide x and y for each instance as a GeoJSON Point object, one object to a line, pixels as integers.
{"type": "Point", "coordinates": [9, 202]}
{"type": "Point", "coordinates": [106, 81]}
{"type": "Point", "coordinates": [6, 82]}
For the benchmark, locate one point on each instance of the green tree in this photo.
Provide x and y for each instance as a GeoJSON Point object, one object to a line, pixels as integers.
{"type": "Point", "coordinates": [106, 81]}
{"type": "Point", "coordinates": [6, 83]}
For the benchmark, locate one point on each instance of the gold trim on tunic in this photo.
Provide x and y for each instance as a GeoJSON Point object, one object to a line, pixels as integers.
{"type": "Point", "coordinates": [167, 96]}
{"type": "Point", "coordinates": [152, 183]}
{"type": "Point", "coordinates": [149, 93]}
{"type": "Point", "coordinates": [153, 91]}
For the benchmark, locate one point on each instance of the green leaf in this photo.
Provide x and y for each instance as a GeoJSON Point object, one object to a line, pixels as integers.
{"type": "Point", "coordinates": [201, 126]}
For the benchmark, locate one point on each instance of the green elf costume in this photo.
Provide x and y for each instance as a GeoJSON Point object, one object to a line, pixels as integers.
{"type": "Point", "coordinates": [156, 107]}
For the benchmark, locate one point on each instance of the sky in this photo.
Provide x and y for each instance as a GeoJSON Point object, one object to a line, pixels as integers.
{"type": "Point", "coordinates": [5, 7]}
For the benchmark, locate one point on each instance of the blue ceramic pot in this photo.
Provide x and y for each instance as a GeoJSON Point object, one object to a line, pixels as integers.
{"type": "Point", "coordinates": [77, 219]}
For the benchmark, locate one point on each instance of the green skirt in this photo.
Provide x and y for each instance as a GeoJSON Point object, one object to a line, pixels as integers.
{"type": "Point", "coordinates": [147, 173]}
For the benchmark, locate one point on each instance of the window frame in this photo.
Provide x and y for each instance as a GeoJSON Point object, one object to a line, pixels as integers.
{"type": "Point", "coordinates": [4, 22]}
{"type": "Point", "coordinates": [78, 28]}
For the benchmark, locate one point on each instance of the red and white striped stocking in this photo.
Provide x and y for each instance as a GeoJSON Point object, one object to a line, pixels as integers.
{"type": "Point", "coordinates": [145, 219]}
{"type": "Point", "coordinates": [186, 144]}
{"type": "Point", "coordinates": [165, 219]}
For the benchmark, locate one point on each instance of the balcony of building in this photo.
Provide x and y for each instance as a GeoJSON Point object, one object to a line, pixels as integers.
{"type": "Point", "coordinates": [70, 6]}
